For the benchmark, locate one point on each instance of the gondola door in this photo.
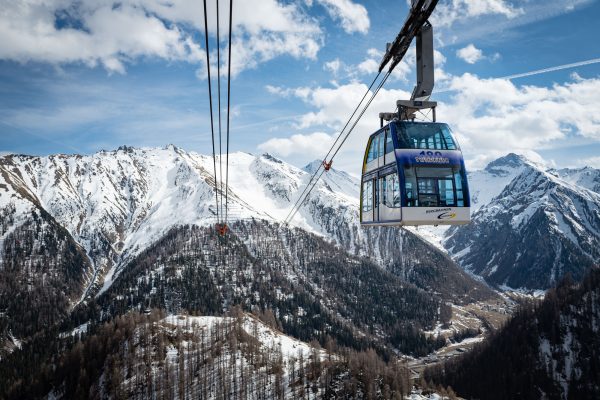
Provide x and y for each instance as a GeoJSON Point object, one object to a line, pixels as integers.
{"type": "Point", "coordinates": [367, 200]}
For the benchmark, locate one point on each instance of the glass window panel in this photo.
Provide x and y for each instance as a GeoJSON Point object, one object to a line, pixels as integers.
{"type": "Point", "coordinates": [367, 199]}
{"type": "Point", "coordinates": [427, 185]}
{"type": "Point", "coordinates": [389, 142]}
{"type": "Point", "coordinates": [410, 188]}
{"type": "Point", "coordinates": [381, 144]}
{"type": "Point", "coordinates": [396, 192]}
{"type": "Point", "coordinates": [438, 187]}
{"type": "Point", "coordinates": [372, 155]}
{"type": "Point", "coordinates": [450, 144]}
{"type": "Point", "coordinates": [425, 135]}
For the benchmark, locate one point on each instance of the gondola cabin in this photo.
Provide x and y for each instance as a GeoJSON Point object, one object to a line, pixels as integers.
{"type": "Point", "coordinates": [414, 174]}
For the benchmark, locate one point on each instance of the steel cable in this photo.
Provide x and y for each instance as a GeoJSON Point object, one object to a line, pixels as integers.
{"type": "Point", "coordinates": [228, 110]}
{"type": "Point", "coordinates": [212, 129]}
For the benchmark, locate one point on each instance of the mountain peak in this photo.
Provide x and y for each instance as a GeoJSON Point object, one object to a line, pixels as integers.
{"type": "Point", "coordinates": [508, 164]}
{"type": "Point", "coordinates": [510, 160]}
{"type": "Point", "coordinates": [172, 147]}
{"type": "Point", "coordinates": [312, 166]}
{"type": "Point", "coordinates": [269, 157]}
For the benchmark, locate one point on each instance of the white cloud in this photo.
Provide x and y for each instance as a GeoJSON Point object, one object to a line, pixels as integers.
{"type": "Point", "coordinates": [332, 107]}
{"type": "Point", "coordinates": [333, 66]}
{"type": "Point", "coordinates": [91, 33]}
{"type": "Point", "coordinates": [470, 20]}
{"type": "Point", "coordinates": [113, 34]}
{"type": "Point", "coordinates": [300, 92]}
{"type": "Point", "coordinates": [353, 17]}
{"type": "Point", "coordinates": [593, 162]}
{"type": "Point", "coordinates": [311, 145]}
{"type": "Point", "coordinates": [493, 116]}
{"type": "Point", "coordinates": [470, 54]}
{"type": "Point", "coordinates": [447, 13]}
{"type": "Point", "coordinates": [368, 66]}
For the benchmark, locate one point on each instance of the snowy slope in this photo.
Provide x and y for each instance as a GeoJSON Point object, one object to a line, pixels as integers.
{"type": "Point", "coordinates": [487, 183]}
{"type": "Point", "coordinates": [586, 177]}
{"type": "Point", "coordinates": [269, 338]}
{"type": "Point", "coordinates": [115, 204]}
{"type": "Point", "coordinates": [538, 228]}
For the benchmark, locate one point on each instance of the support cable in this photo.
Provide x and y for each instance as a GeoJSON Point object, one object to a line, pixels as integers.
{"type": "Point", "coordinates": [228, 111]}
{"type": "Point", "coordinates": [219, 113]}
{"type": "Point", "coordinates": [212, 129]}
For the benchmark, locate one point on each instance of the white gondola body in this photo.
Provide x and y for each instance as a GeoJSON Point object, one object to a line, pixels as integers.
{"type": "Point", "coordinates": [414, 186]}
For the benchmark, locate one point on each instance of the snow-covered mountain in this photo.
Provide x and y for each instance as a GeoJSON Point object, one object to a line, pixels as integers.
{"type": "Point", "coordinates": [530, 226]}
{"type": "Point", "coordinates": [115, 204]}
{"type": "Point", "coordinates": [586, 177]}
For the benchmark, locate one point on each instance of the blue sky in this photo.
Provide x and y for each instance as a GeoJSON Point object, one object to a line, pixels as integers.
{"type": "Point", "coordinates": [78, 77]}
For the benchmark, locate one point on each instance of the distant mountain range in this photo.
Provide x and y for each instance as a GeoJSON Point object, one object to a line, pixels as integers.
{"type": "Point", "coordinates": [86, 239]}
{"type": "Point", "coordinates": [116, 204]}
{"type": "Point", "coordinates": [115, 229]}
{"type": "Point", "coordinates": [531, 225]}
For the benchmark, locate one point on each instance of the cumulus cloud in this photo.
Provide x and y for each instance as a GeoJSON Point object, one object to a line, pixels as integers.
{"type": "Point", "coordinates": [311, 144]}
{"type": "Point", "coordinates": [593, 162]}
{"type": "Point", "coordinates": [300, 92]}
{"type": "Point", "coordinates": [447, 13]}
{"type": "Point", "coordinates": [112, 34]}
{"type": "Point", "coordinates": [333, 66]}
{"type": "Point", "coordinates": [89, 32]}
{"type": "Point", "coordinates": [470, 54]}
{"type": "Point", "coordinates": [331, 109]}
{"type": "Point", "coordinates": [370, 65]}
{"type": "Point", "coordinates": [352, 16]}
{"type": "Point", "coordinates": [495, 116]}
{"type": "Point", "coordinates": [490, 117]}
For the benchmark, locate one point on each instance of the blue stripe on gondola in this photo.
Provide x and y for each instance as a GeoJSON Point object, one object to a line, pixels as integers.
{"type": "Point", "coordinates": [415, 157]}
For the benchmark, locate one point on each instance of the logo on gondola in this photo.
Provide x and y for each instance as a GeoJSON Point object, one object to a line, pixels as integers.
{"type": "Point", "coordinates": [430, 157]}
{"type": "Point", "coordinates": [447, 215]}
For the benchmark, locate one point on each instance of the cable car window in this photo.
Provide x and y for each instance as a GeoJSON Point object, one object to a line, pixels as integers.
{"type": "Point", "coordinates": [450, 143]}
{"type": "Point", "coordinates": [367, 199]}
{"type": "Point", "coordinates": [446, 191]}
{"type": "Point", "coordinates": [372, 155]}
{"type": "Point", "coordinates": [381, 137]}
{"type": "Point", "coordinates": [434, 187]}
{"type": "Point", "coordinates": [389, 142]}
{"type": "Point", "coordinates": [410, 187]}
{"type": "Point", "coordinates": [460, 201]}
{"type": "Point", "coordinates": [428, 196]}
{"type": "Point", "coordinates": [391, 191]}
{"type": "Point", "coordinates": [424, 135]}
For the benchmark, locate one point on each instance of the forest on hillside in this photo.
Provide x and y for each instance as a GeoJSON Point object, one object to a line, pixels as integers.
{"type": "Point", "coordinates": [549, 349]}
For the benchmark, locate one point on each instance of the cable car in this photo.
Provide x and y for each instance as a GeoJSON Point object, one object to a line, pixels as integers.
{"type": "Point", "coordinates": [414, 174]}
